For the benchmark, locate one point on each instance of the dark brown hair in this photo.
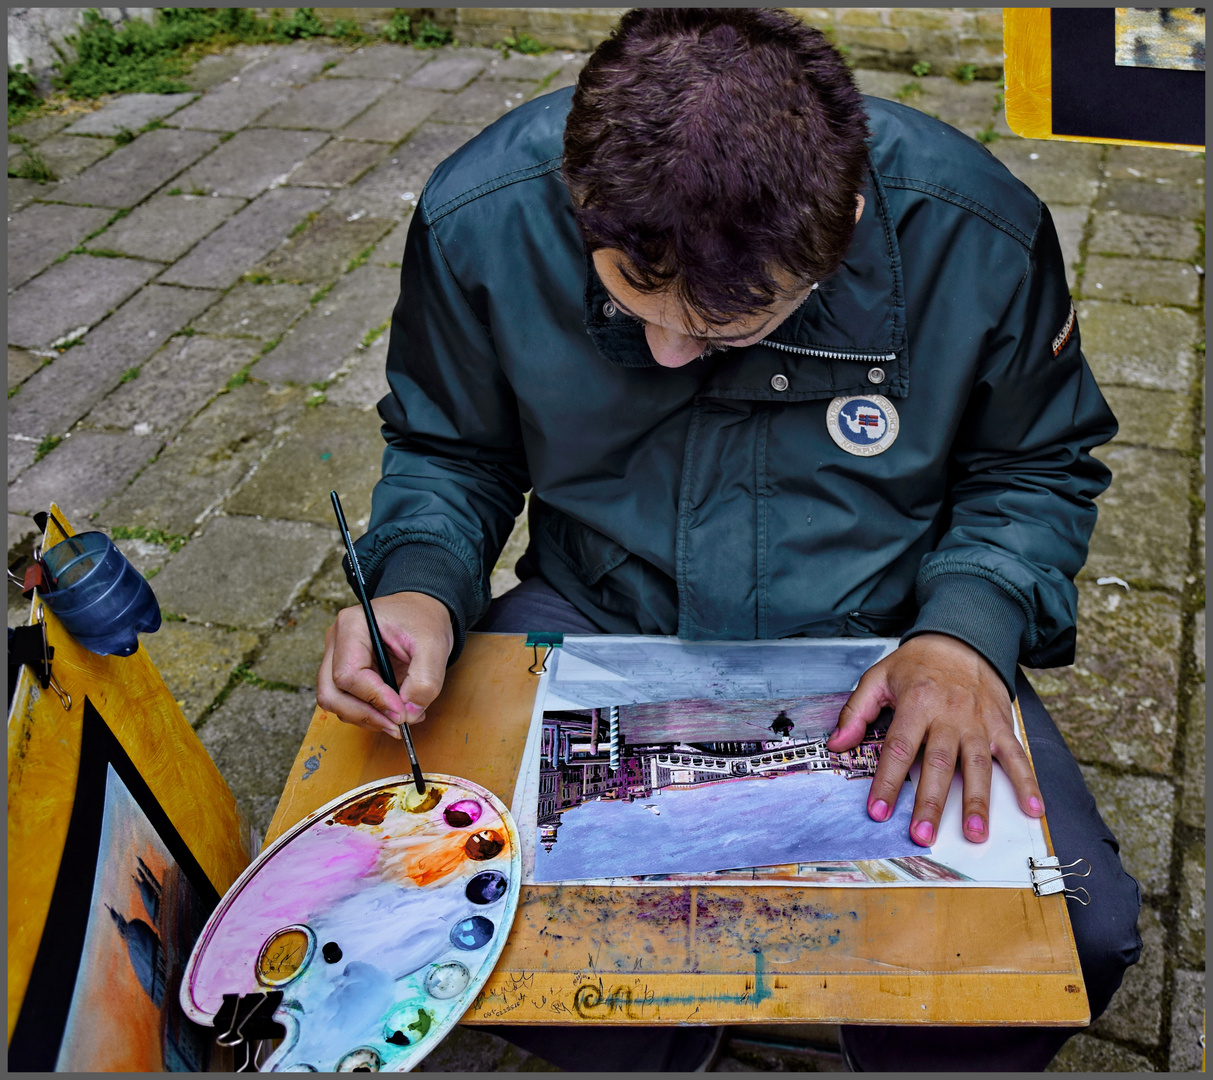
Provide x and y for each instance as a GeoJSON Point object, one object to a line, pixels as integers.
{"type": "Point", "coordinates": [713, 147]}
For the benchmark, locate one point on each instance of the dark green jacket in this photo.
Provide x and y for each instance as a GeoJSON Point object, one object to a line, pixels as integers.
{"type": "Point", "coordinates": [705, 501]}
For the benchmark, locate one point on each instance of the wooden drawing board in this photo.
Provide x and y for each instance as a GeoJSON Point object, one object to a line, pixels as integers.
{"type": "Point", "coordinates": [44, 741]}
{"type": "Point", "coordinates": [720, 955]}
{"type": "Point", "coordinates": [1075, 92]}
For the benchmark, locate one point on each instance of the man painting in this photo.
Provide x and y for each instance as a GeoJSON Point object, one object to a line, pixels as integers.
{"type": "Point", "coordinates": [773, 359]}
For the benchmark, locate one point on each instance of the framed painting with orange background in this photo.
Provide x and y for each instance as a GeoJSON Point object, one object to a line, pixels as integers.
{"type": "Point", "coordinates": [1071, 75]}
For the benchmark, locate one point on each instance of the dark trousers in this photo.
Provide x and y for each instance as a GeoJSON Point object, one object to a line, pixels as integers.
{"type": "Point", "coordinates": [1105, 932]}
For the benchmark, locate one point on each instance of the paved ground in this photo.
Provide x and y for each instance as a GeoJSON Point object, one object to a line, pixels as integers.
{"type": "Point", "coordinates": [223, 280]}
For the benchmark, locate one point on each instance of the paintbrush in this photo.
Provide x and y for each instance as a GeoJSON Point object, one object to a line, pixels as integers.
{"type": "Point", "coordinates": [377, 646]}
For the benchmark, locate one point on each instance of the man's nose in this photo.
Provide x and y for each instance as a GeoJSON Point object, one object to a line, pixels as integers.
{"type": "Point", "coordinates": [669, 348]}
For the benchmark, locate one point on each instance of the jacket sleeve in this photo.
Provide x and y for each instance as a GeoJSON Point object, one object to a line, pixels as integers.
{"type": "Point", "coordinates": [1023, 481]}
{"type": "Point", "coordinates": [454, 470]}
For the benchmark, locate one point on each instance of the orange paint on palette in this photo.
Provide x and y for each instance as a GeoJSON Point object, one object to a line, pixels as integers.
{"type": "Point", "coordinates": [430, 862]}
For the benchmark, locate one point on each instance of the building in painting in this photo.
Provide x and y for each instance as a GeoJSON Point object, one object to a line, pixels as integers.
{"type": "Point", "coordinates": [575, 763]}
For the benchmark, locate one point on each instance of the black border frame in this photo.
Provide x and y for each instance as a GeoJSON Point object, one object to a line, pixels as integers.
{"type": "Point", "coordinates": [1095, 99]}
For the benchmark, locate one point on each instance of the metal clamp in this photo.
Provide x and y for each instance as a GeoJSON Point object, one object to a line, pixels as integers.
{"type": "Point", "coordinates": [549, 641]}
{"type": "Point", "coordinates": [29, 646]}
{"type": "Point", "coordinates": [1049, 874]}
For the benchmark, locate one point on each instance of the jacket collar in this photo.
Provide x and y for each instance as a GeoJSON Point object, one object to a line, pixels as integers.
{"type": "Point", "coordinates": [851, 323]}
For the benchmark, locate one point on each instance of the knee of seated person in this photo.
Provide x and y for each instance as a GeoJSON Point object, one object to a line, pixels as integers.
{"type": "Point", "coordinates": [1105, 933]}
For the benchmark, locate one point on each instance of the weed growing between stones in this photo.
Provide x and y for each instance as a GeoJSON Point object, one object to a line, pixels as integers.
{"type": "Point", "coordinates": [129, 375]}
{"type": "Point", "coordinates": [360, 258]}
{"type": "Point", "coordinates": [172, 541]}
{"type": "Point", "coordinates": [373, 335]}
{"type": "Point", "coordinates": [988, 135]}
{"type": "Point", "coordinates": [46, 446]}
{"type": "Point", "coordinates": [522, 43]}
{"type": "Point", "coordinates": [123, 136]}
{"type": "Point", "coordinates": [321, 293]}
{"type": "Point", "coordinates": [966, 73]}
{"type": "Point", "coordinates": [33, 166]}
{"type": "Point", "coordinates": [908, 90]}
{"type": "Point", "coordinates": [920, 69]}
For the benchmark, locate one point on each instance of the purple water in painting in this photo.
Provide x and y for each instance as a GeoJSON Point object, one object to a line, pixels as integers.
{"type": "Point", "coordinates": [796, 817]}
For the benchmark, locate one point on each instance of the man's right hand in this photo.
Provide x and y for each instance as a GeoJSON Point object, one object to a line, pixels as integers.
{"type": "Point", "coordinates": [417, 632]}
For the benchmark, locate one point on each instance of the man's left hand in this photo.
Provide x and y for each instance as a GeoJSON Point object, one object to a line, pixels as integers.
{"type": "Point", "coordinates": [948, 699]}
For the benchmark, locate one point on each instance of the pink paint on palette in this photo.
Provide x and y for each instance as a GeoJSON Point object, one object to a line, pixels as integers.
{"type": "Point", "coordinates": [379, 917]}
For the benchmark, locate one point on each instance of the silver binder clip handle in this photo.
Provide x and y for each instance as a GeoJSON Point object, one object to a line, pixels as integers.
{"type": "Point", "coordinates": [1048, 887]}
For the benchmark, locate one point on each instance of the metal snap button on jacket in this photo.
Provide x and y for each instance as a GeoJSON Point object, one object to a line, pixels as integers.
{"type": "Point", "coordinates": [779, 382]}
{"type": "Point", "coordinates": [608, 309]}
{"type": "Point", "coordinates": [876, 375]}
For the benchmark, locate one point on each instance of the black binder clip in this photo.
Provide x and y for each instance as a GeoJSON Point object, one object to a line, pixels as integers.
{"type": "Point", "coordinates": [549, 642]}
{"type": "Point", "coordinates": [28, 645]}
{"type": "Point", "coordinates": [1048, 877]}
{"type": "Point", "coordinates": [246, 1018]}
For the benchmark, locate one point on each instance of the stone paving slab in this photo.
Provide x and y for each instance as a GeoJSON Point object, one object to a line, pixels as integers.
{"type": "Point", "coordinates": [220, 259]}
{"type": "Point", "coordinates": [43, 127]}
{"type": "Point", "coordinates": [231, 106]}
{"type": "Point", "coordinates": [1149, 347]}
{"type": "Point", "coordinates": [327, 104]}
{"type": "Point", "coordinates": [38, 315]}
{"type": "Point", "coordinates": [1155, 418]}
{"type": "Point", "coordinates": [295, 649]}
{"type": "Point", "coordinates": [390, 250]}
{"type": "Point", "coordinates": [69, 155]}
{"type": "Point", "coordinates": [1187, 1021]}
{"type": "Point", "coordinates": [1135, 1013]}
{"type": "Point", "coordinates": [242, 571]}
{"type": "Point", "coordinates": [482, 103]}
{"type": "Point", "coordinates": [253, 738]}
{"type": "Point", "coordinates": [381, 62]}
{"type": "Point", "coordinates": [129, 112]}
{"type": "Point", "coordinates": [1057, 172]}
{"type": "Point", "coordinates": [207, 460]}
{"type": "Point", "coordinates": [252, 161]}
{"type": "Point", "coordinates": [394, 115]}
{"type": "Point", "coordinates": [365, 381]}
{"type": "Point", "coordinates": [382, 192]}
{"type": "Point", "coordinates": [1192, 803]}
{"type": "Point", "coordinates": [318, 343]}
{"type": "Point", "coordinates": [337, 164]}
{"type": "Point", "coordinates": [452, 71]}
{"type": "Point", "coordinates": [222, 67]}
{"type": "Point", "coordinates": [1070, 223]}
{"type": "Point", "coordinates": [1192, 907]}
{"type": "Point", "coordinates": [1144, 236]}
{"type": "Point", "coordinates": [22, 532]}
{"type": "Point", "coordinates": [1118, 703]}
{"type": "Point", "coordinates": [131, 173]}
{"type": "Point", "coordinates": [58, 395]}
{"type": "Point", "coordinates": [37, 236]}
{"type": "Point", "coordinates": [1140, 811]}
{"type": "Point", "coordinates": [1142, 533]}
{"type": "Point", "coordinates": [1136, 162]}
{"type": "Point", "coordinates": [196, 662]}
{"type": "Point", "coordinates": [21, 365]}
{"type": "Point", "coordinates": [21, 453]}
{"type": "Point", "coordinates": [324, 249]}
{"type": "Point", "coordinates": [329, 587]}
{"type": "Point", "coordinates": [530, 68]}
{"type": "Point", "coordinates": [257, 311]}
{"type": "Point", "coordinates": [330, 449]}
{"type": "Point", "coordinates": [172, 386]}
{"type": "Point", "coordinates": [165, 227]}
{"type": "Point", "coordinates": [1146, 281]}
{"type": "Point", "coordinates": [291, 65]}
{"type": "Point", "coordinates": [1152, 197]}
{"type": "Point", "coordinates": [81, 473]}
{"type": "Point", "coordinates": [1087, 1054]}
{"type": "Point", "coordinates": [23, 192]}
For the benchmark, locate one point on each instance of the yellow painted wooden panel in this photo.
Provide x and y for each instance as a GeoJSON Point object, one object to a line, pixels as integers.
{"type": "Point", "coordinates": [43, 759]}
{"type": "Point", "coordinates": [725, 954]}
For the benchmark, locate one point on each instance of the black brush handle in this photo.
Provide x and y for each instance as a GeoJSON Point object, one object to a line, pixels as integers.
{"type": "Point", "coordinates": [380, 650]}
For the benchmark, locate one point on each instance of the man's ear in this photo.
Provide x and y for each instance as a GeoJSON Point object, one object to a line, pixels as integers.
{"type": "Point", "coordinates": [858, 208]}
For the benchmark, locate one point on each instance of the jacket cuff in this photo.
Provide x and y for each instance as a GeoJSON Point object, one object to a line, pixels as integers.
{"type": "Point", "coordinates": [977, 612]}
{"type": "Point", "coordinates": [429, 569]}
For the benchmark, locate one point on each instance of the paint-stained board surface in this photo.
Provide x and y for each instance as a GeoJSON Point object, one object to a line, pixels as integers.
{"type": "Point", "coordinates": [727, 954]}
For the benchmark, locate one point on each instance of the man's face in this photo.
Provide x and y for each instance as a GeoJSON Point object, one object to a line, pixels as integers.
{"type": "Point", "coordinates": [674, 335]}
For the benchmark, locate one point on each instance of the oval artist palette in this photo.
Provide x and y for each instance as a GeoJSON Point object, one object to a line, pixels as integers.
{"type": "Point", "coordinates": [378, 917]}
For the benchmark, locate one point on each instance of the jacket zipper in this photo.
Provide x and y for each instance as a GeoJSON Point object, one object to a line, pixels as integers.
{"type": "Point", "coordinates": [828, 354]}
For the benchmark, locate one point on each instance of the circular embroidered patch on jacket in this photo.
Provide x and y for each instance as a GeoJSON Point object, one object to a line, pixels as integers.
{"type": "Point", "coordinates": [862, 425]}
